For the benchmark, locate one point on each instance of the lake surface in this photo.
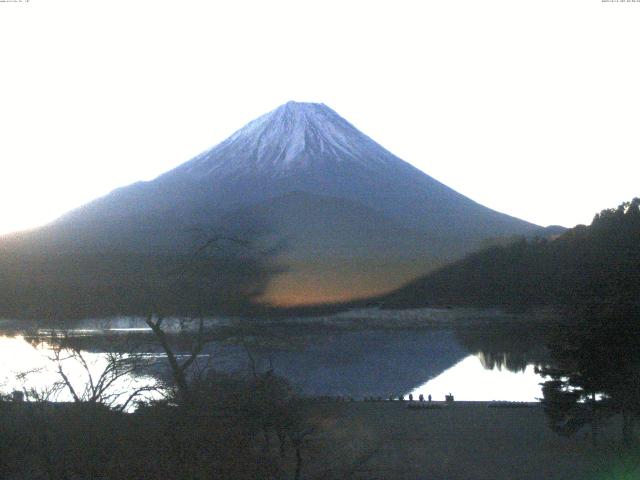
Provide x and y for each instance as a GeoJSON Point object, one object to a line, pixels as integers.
{"type": "Point", "coordinates": [474, 363]}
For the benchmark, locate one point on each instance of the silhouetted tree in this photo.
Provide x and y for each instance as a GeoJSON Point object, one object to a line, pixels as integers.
{"type": "Point", "coordinates": [109, 379]}
{"type": "Point", "coordinates": [596, 370]}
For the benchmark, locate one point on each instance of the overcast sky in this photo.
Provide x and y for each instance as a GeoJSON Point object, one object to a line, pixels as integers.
{"type": "Point", "coordinates": [529, 107]}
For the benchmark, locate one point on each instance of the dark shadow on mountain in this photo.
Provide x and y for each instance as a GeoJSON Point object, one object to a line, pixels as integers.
{"type": "Point", "coordinates": [217, 275]}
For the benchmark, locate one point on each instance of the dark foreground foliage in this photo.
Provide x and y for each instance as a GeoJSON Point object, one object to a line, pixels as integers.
{"type": "Point", "coordinates": [595, 372]}
{"type": "Point", "coordinates": [237, 430]}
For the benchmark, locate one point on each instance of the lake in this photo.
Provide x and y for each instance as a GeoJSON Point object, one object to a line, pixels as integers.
{"type": "Point", "coordinates": [353, 354]}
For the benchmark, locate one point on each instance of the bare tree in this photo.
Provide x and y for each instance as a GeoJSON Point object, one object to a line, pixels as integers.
{"type": "Point", "coordinates": [110, 379]}
{"type": "Point", "coordinates": [180, 365]}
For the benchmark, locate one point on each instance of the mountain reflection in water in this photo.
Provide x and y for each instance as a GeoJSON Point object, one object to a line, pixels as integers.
{"type": "Point", "coordinates": [472, 363]}
{"type": "Point", "coordinates": [470, 380]}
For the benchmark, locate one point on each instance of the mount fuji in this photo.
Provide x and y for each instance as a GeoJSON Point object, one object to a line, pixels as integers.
{"type": "Point", "coordinates": [350, 218]}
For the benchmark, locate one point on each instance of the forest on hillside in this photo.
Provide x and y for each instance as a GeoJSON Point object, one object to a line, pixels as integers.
{"type": "Point", "coordinates": [595, 264]}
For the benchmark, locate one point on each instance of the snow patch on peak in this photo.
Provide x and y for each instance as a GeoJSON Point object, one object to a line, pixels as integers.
{"type": "Point", "coordinates": [291, 104]}
{"type": "Point", "coordinates": [293, 136]}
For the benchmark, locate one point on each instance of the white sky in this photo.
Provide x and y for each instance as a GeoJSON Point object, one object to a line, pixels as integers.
{"type": "Point", "coordinates": [531, 107]}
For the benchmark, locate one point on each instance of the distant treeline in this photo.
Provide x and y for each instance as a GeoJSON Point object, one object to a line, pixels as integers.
{"type": "Point", "coordinates": [597, 264]}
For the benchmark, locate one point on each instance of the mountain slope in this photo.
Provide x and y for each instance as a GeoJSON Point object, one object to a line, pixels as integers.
{"type": "Point", "coordinates": [339, 248]}
{"type": "Point", "coordinates": [303, 177]}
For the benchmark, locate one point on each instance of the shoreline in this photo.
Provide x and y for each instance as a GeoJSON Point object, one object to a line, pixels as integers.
{"type": "Point", "coordinates": [458, 441]}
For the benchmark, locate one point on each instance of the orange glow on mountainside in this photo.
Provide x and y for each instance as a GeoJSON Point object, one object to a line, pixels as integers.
{"type": "Point", "coordinates": [341, 282]}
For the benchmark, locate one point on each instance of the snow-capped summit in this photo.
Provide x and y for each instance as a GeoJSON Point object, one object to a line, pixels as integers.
{"type": "Point", "coordinates": [293, 136]}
